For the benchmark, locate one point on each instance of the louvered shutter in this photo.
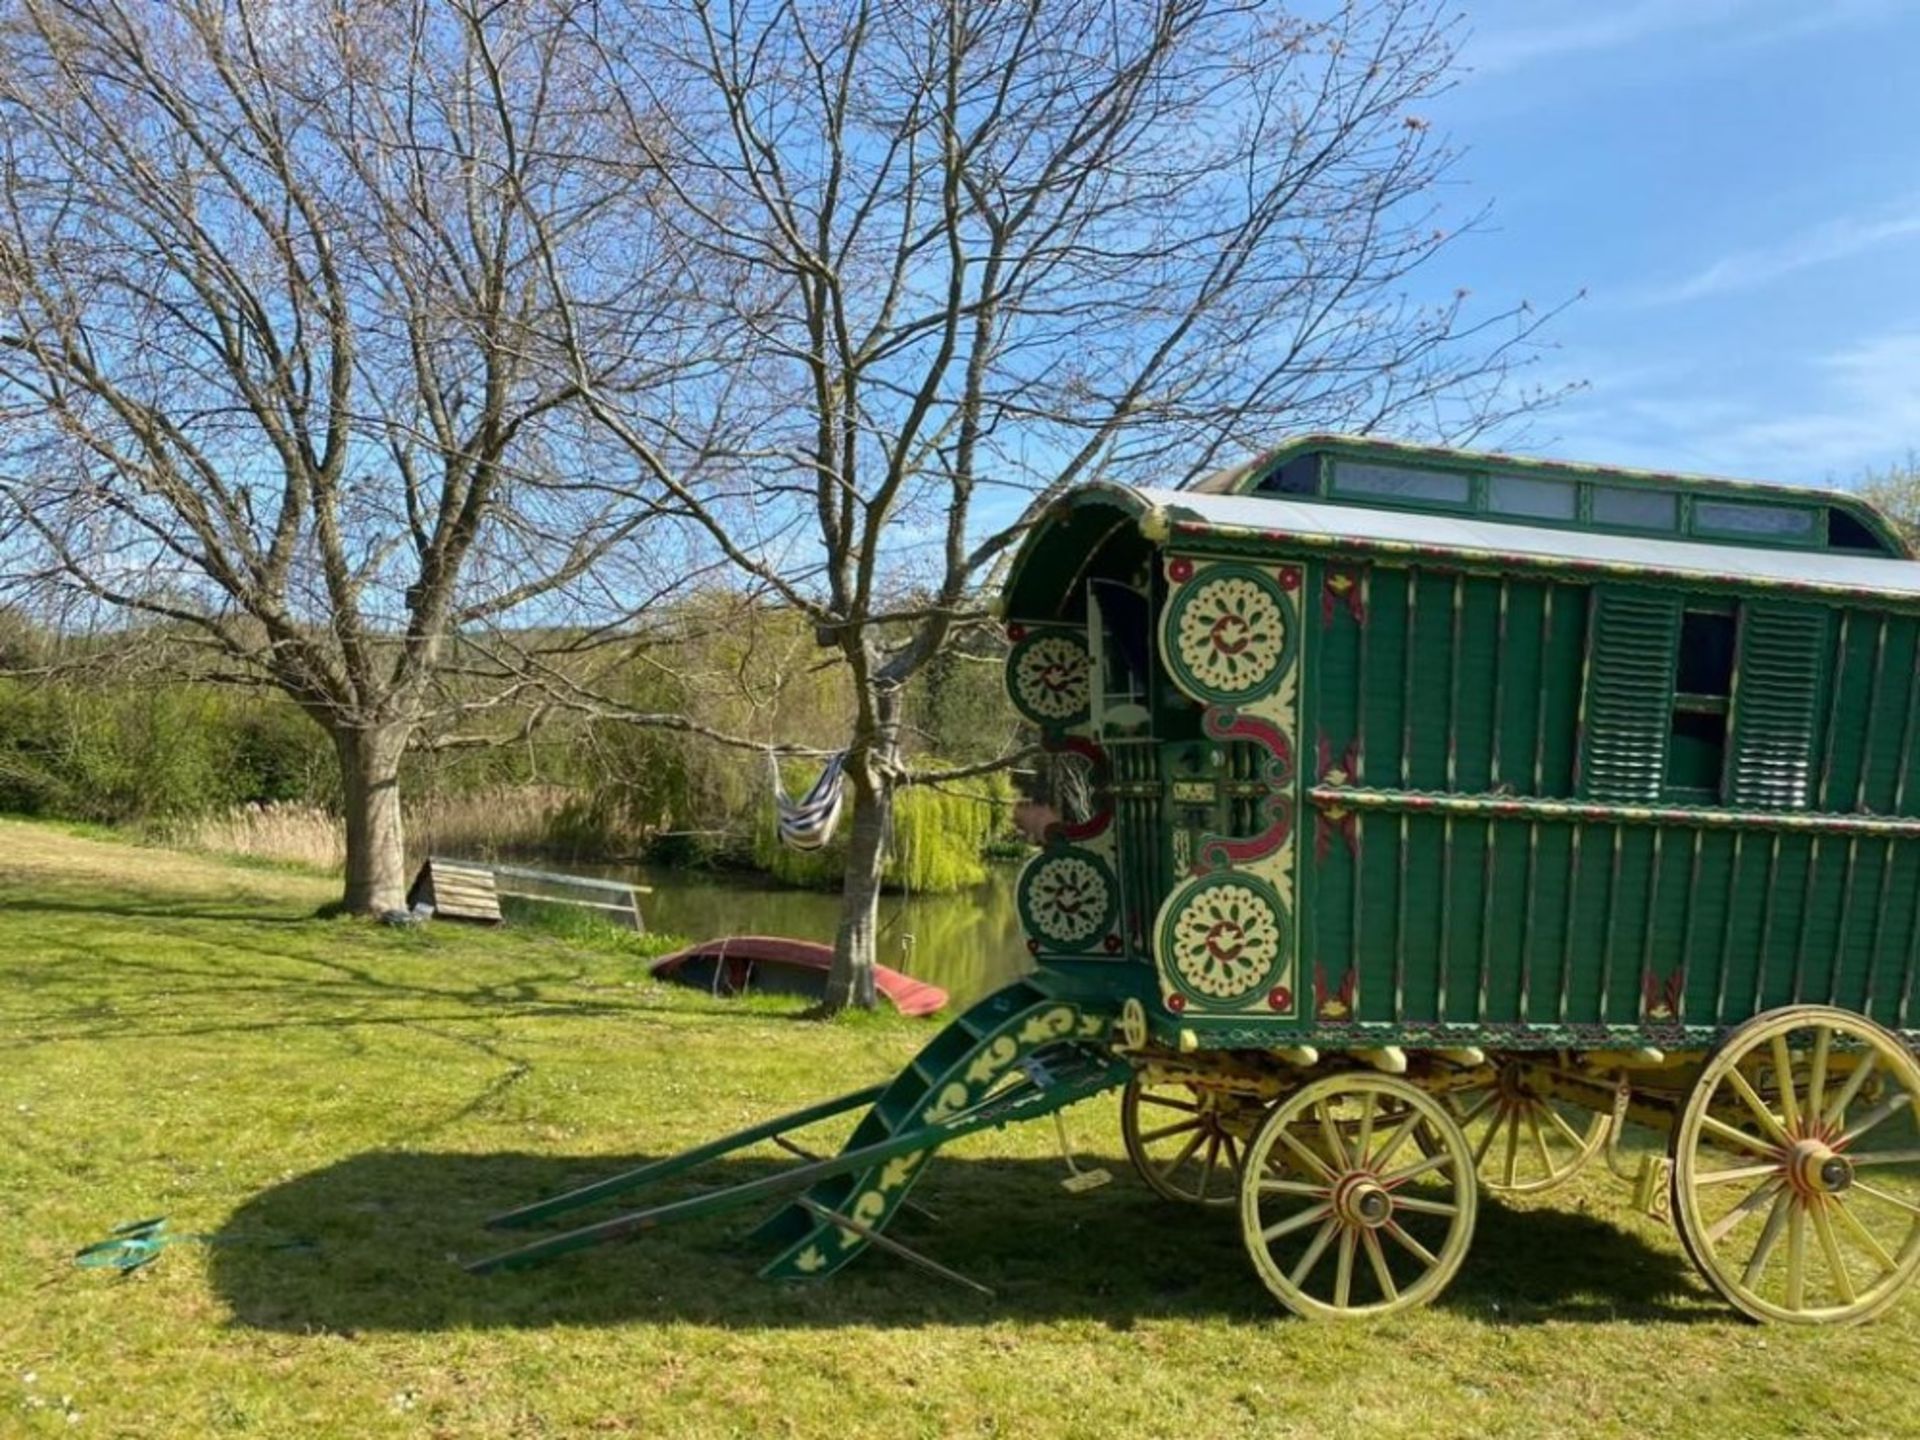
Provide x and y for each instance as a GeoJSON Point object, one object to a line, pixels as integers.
{"type": "Point", "coordinates": [1627, 716]}
{"type": "Point", "coordinates": [1776, 689]}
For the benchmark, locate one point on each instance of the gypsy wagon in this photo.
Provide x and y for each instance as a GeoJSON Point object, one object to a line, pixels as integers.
{"type": "Point", "coordinates": [1445, 813]}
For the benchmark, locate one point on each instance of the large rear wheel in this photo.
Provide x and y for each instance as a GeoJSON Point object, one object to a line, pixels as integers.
{"type": "Point", "coordinates": [1796, 1168]}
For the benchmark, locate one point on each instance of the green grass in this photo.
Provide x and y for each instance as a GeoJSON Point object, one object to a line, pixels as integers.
{"type": "Point", "coordinates": [179, 1037]}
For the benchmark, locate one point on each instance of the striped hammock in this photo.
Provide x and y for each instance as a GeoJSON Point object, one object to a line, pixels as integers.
{"type": "Point", "coordinates": [808, 823]}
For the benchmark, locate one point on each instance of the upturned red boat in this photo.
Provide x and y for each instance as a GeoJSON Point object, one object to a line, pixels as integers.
{"type": "Point", "coordinates": [777, 965]}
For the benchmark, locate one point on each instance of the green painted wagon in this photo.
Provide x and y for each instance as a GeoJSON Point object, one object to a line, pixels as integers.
{"type": "Point", "coordinates": [1441, 814]}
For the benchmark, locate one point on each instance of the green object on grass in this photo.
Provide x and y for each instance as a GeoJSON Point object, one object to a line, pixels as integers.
{"type": "Point", "coordinates": [138, 1243]}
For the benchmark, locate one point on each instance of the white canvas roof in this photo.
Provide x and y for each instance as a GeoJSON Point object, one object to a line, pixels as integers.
{"type": "Point", "coordinates": [1478, 535]}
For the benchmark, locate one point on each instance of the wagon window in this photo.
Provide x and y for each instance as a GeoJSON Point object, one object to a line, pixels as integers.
{"type": "Point", "coordinates": [1401, 482]}
{"type": "Point", "coordinates": [1703, 687]}
{"type": "Point", "coordinates": [1635, 509]}
{"type": "Point", "coordinates": [1534, 498]}
{"type": "Point", "coordinates": [1742, 520]}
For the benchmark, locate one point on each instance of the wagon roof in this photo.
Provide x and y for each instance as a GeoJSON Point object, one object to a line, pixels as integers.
{"type": "Point", "coordinates": [1047, 568]}
{"type": "Point", "coordinates": [1366, 527]}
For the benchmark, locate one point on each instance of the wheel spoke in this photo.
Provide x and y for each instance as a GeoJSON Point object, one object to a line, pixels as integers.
{"type": "Point", "coordinates": [1297, 1222]}
{"type": "Point", "coordinates": [1863, 1237]}
{"type": "Point", "coordinates": [1721, 1130]}
{"type": "Point", "coordinates": [1539, 1140]}
{"type": "Point", "coordinates": [1837, 1112]}
{"type": "Point", "coordinates": [1885, 1157]}
{"type": "Point", "coordinates": [1336, 1143]}
{"type": "Point", "coordinates": [1768, 1120]}
{"type": "Point", "coordinates": [1413, 1247]}
{"type": "Point", "coordinates": [1513, 1145]}
{"type": "Point", "coordinates": [1486, 1140]}
{"type": "Point", "coordinates": [1313, 1162]}
{"type": "Point", "coordinates": [1400, 1177]}
{"type": "Point", "coordinates": [1292, 1187]}
{"type": "Point", "coordinates": [1783, 1077]}
{"type": "Point", "coordinates": [1724, 1226]}
{"type": "Point", "coordinates": [1396, 1139]}
{"type": "Point", "coordinates": [1480, 1109]}
{"type": "Point", "coordinates": [1206, 1171]}
{"type": "Point", "coordinates": [1315, 1249]}
{"type": "Point", "coordinates": [1796, 1257]}
{"type": "Point", "coordinates": [1378, 1258]}
{"type": "Point", "coordinates": [1741, 1172]}
{"type": "Point", "coordinates": [1574, 1137]}
{"type": "Point", "coordinates": [1424, 1207]}
{"type": "Point", "coordinates": [1769, 1237]}
{"type": "Point", "coordinates": [1192, 1107]}
{"type": "Point", "coordinates": [1817, 1074]}
{"type": "Point", "coordinates": [1147, 1137]}
{"type": "Point", "coordinates": [1899, 1100]}
{"type": "Point", "coordinates": [1363, 1143]}
{"type": "Point", "coordinates": [1823, 1227]}
{"type": "Point", "coordinates": [1167, 1170]}
{"type": "Point", "coordinates": [1343, 1270]}
{"type": "Point", "coordinates": [1860, 1187]}
{"type": "Point", "coordinates": [1233, 1153]}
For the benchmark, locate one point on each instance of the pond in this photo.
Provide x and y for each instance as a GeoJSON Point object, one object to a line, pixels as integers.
{"type": "Point", "coordinates": [969, 944]}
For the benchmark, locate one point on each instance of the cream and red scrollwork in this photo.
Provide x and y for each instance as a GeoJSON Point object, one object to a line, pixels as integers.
{"type": "Point", "coordinates": [1225, 939]}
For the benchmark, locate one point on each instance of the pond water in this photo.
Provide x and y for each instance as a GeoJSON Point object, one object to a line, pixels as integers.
{"type": "Point", "coordinates": [969, 944]}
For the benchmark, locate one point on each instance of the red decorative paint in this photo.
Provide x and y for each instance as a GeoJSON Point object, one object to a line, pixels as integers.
{"type": "Point", "coordinates": [1016, 632]}
{"type": "Point", "coordinates": [1288, 576]}
{"type": "Point", "coordinates": [1179, 570]}
{"type": "Point", "coordinates": [1033, 947]}
{"type": "Point", "coordinates": [1114, 942]}
{"type": "Point", "coordinates": [1280, 998]}
{"type": "Point", "coordinates": [1176, 1003]}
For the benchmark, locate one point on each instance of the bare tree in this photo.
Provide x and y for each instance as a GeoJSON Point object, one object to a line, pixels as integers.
{"type": "Point", "coordinates": [989, 248]}
{"type": "Point", "coordinates": [276, 292]}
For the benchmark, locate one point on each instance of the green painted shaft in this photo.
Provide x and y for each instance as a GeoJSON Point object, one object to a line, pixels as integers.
{"type": "Point", "coordinates": [1020, 1103]}
{"type": "Point", "coordinates": [679, 1164]}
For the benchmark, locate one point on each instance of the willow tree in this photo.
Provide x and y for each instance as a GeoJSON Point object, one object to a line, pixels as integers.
{"type": "Point", "coordinates": [989, 248]}
{"type": "Point", "coordinates": [276, 287]}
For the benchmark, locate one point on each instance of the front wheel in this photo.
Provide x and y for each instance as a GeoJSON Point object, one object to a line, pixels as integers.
{"type": "Point", "coordinates": [1187, 1143]}
{"type": "Point", "coordinates": [1342, 1213]}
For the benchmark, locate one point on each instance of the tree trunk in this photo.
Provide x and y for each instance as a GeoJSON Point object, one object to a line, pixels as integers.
{"type": "Point", "coordinates": [376, 844]}
{"type": "Point", "coordinates": [850, 979]}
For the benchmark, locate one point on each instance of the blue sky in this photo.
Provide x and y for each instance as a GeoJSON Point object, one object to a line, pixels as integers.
{"type": "Point", "coordinates": [1736, 186]}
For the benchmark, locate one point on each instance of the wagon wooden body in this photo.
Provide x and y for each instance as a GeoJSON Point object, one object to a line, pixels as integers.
{"type": "Point", "coordinates": [1426, 818]}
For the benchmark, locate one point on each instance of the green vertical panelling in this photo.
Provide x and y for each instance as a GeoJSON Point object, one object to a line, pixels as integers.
{"type": "Point", "coordinates": [1839, 768]}
{"type": "Point", "coordinates": [1421, 873]}
{"type": "Point", "coordinates": [1887, 734]}
{"type": "Point", "coordinates": [1675, 924]}
{"type": "Point", "coordinates": [1713, 909]}
{"type": "Point", "coordinates": [1717, 997]}
{"type": "Point", "coordinates": [1550, 920]}
{"type": "Point", "coordinates": [1432, 685]}
{"type": "Point", "coordinates": [1479, 654]}
{"type": "Point", "coordinates": [1519, 702]}
{"type": "Point", "coordinates": [1382, 875]}
{"type": "Point", "coordinates": [1332, 682]}
{"type": "Point", "coordinates": [1631, 917]}
{"type": "Point", "coordinates": [1385, 681]}
{"type": "Point", "coordinates": [1465, 901]}
{"type": "Point", "coordinates": [1560, 672]}
{"type": "Point", "coordinates": [1628, 704]}
{"type": "Point", "coordinates": [1588, 908]}
{"type": "Point", "coordinates": [1897, 960]}
{"type": "Point", "coordinates": [1776, 705]}
{"type": "Point", "coordinates": [1785, 905]}
{"type": "Point", "coordinates": [1855, 943]}
{"type": "Point", "coordinates": [1503, 941]}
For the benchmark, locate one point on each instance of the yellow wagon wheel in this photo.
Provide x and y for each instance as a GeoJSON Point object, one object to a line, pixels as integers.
{"type": "Point", "coordinates": [1524, 1140]}
{"type": "Point", "coordinates": [1796, 1167]}
{"type": "Point", "coordinates": [1363, 1222]}
{"type": "Point", "coordinates": [1187, 1144]}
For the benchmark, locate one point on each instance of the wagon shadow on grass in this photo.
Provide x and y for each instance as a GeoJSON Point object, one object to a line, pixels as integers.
{"type": "Point", "coordinates": [388, 1228]}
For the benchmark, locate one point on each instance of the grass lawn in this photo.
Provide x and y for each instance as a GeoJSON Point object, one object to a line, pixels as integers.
{"type": "Point", "coordinates": [179, 1037]}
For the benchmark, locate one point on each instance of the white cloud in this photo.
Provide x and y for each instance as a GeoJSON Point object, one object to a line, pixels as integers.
{"type": "Point", "coordinates": [1586, 28]}
{"type": "Point", "coordinates": [1832, 240]}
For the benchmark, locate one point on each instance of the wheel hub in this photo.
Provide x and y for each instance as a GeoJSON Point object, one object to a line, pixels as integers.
{"type": "Point", "coordinates": [1362, 1202]}
{"type": "Point", "coordinates": [1815, 1168]}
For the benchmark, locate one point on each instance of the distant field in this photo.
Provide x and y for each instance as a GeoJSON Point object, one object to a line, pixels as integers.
{"type": "Point", "coordinates": [179, 1037]}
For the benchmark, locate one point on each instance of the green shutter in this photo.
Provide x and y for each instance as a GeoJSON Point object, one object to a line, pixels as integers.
{"type": "Point", "coordinates": [1627, 715]}
{"type": "Point", "coordinates": [1775, 692]}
